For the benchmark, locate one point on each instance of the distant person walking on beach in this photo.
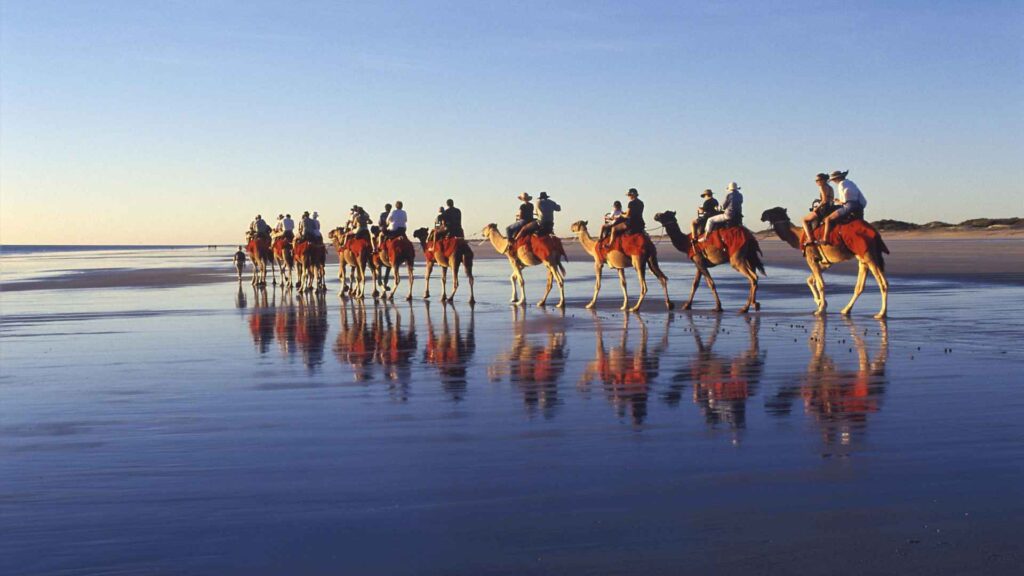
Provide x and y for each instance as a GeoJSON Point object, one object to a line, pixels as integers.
{"type": "Point", "coordinates": [732, 211]}
{"type": "Point", "coordinates": [849, 198]}
{"type": "Point", "coordinates": [547, 208]}
{"type": "Point", "coordinates": [239, 259]}
{"type": "Point", "coordinates": [708, 209]}
{"type": "Point", "coordinates": [826, 198]}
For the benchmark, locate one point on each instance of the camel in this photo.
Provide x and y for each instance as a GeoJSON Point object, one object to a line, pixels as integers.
{"type": "Point", "coordinates": [531, 251]}
{"type": "Point", "coordinates": [446, 253]}
{"type": "Point", "coordinates": [259, 253]}
{"type": "Point", "coordinates": [392, 255]}
{"type": "Point", "coordinates": [855, 239]}
{"type": "Point", "coordinates": [284, 260]}
{"type": "Point", "coordinates": [353, 252]}
{"type": "Point", "coordinates": [310, 259]}
{"type": "Point", "coordinates": [628, 251]}
{"type": "Point", "coordinates": [735, 245]}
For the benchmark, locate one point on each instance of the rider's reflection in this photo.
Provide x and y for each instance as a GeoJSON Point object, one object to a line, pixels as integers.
{"type": "Point", "coordinates": [355, 344]}
{"type": "Point", "coordinates": [534, 368]}
{"type": "Point", "coordinates": [626, 375]}
{"type": "Point", "coordinates": [310, 327]}
{"type": "Point", "coordinates": [261, 320]}
{"type": "Point", "coordinates": [450, 350]}
{"type": "Point", "coordinates": [395, 348]}
{"type": "Point", "coordinates": [839, 399]}
{"type": "Point", "coordinates": [721, 385]}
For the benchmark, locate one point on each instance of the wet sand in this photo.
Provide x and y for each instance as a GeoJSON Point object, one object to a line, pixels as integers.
{"type": "Point", "coordinates": [214, 428]}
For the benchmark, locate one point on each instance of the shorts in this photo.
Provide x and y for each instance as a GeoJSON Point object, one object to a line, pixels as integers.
{"type": "Point", "coordinates": [848, 209]}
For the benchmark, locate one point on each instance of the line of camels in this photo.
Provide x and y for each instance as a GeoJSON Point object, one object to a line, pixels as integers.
{"type": "Point", "coordinates": [736, 245]}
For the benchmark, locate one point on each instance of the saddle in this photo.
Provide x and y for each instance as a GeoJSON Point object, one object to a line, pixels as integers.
{"type": "Point", "coordinates": [629, 243]}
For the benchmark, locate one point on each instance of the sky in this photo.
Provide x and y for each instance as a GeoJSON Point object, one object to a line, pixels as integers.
{"type": "Point", "coordinates": [175, 122]}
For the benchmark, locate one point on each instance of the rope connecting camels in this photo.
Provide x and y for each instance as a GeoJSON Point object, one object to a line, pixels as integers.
{"type": "Point", "coordinates": [735, 245]}
{"type": "Point", "coordinates": [531, 250]}
{"type": "Point", "coordinates": [447, 253]}
{"type": "Point", "coordinates": [627, 251]}
{"type": "Point", "coordinates": [855, 239]}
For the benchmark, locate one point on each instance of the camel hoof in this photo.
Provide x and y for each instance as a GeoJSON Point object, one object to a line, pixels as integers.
{"type": "Point", "coordinates": [757, 305]}
{"type": "Point", "coordinates": [845, 312]}
{"type": "Point", "coordinates": [589, 306]}
{"type": "Point", "coordinates": [541, 304]}
{"type": "Point", "coordinates": [561, 306]}
{"type": "Point", "coordinates": [670, 306]}
{"type": "Point", "coordinates": [687, 306]}
{"type": "Point", "coordinates": [744, 310]}
{"type": "Point", "coordinates": [880, 316]}
{"type": "Point", "coordinates": [716, 309]}
{"type": "Point", "coordinates": [408, 298]}
{"type": "Point", "coordinates": [819, 312]}
{"type": "Point", "coordinates": [472, 301]}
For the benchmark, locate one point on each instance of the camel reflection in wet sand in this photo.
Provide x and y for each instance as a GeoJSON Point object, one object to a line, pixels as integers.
{"type": "Point", "coordinates": [721, 385]}
{"type": "Point", "coordinates": [374, 337]}
{"type": "Point", "coordinates": [534, 368]}
{"type": "Point", "coordinates": [299, 324]}
{"type": "Point", "coordinates": [839, 399]}
{"type": "Point", "coordinates": [450, 351]}
{"type": "Point", "coordinates": [626, 375]}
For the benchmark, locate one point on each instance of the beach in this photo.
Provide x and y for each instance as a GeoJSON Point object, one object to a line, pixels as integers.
{"type": "Point", "coordinates": [158, 416]}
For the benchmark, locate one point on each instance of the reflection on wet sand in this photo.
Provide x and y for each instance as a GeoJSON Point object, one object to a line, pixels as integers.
{"type": "Point", "coordinates": [450, 351]}
{"type": "Point", "coordinates": [627, 376]}
{"type": "Point", "coordinates": [839, 399]}
{"type": "Point", "coordinates": [354, 346]}
{"type": "Point", "coordinates": [721, 384]}
{"type": "Point", "coordinates": [376, 337]}
{"type": "Point", "coordinates": [534, 368]}
{"type": "Point", "coordinates": [298, 324]}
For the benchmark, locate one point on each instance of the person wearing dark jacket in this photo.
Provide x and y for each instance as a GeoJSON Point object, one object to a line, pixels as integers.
{"type": "Point", "coordinates": [452, 218]}
{"type": "Point", "coordinates": [634, 223]}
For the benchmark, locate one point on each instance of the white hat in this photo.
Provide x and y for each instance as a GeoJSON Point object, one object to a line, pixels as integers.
{"type": "Point", "coordinates": [732, 186]}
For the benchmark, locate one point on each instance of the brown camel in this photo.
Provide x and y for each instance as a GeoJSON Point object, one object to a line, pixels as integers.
{"type": "Point", "coordinates": [353, 252]}
{"type": "Point", "coordinates": [735, 245]}
{"type": "Point", "coordinates": [627, 251]}
{"type": "Point", "coordinates": [392, 255]}
{"type": "Point", "coordinates": [284, 260]}
{"type": "Point", "coordinates": [447, 253]}
{"type": "Point", "coordinates": [855, 239]}
{"type": "Point", "coordinates": [531, 250]}
{"type": "Point", "coordinates": [260, 254]}
{"type": "Point", "coordinates": [310, 259]}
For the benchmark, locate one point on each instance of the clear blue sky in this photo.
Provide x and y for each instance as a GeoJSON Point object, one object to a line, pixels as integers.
{"type": "Point", "coordinates": [176, 121]}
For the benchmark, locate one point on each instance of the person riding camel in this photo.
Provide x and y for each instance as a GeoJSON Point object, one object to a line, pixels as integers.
{"type": "Point", "coordinates": [278, 228]}
{"type": "Point", "coordinates": [452, 218]}
{"type": "Point", "coordinates": [289, 227]}
{"type": "Point", "coordinates": [305, 227]}
{"type": "Point", "coordinates": [849, 198]}
{"type": "Point", "coordinates": [634, 215]}
{"type": "Point", "coordinates": [259, 228]}
{"type": "Point", "coordinates": [437, 231]}
{"type": "Point", "coordinates": [732, 211]}
{"type": "Point", "coordinates": [359, 226]}
{"type": "Point", "coordinates": [396, 222]}
{"type": "Point", "coordinates": [611, 219]}
{"type": "Point", "coordinates": [547, 208]}
{"type": "Point", "coordinates": [708, 209]}
{"type": "Point", "coordinates": [382, 227]}
{"type": "Point", "coordinates": [316, 227]}
{"type": "Point", "coordinates": [826, 199]}
{"type": "Point", "coordinates": [525, 222]}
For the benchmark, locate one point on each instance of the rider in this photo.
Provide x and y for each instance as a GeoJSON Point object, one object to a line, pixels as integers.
{"type": "Point", "coordinates": [278, 228]}
{"type": "Point", "coordinates": [849, 198]}
{"type": "Point", "coordinates": [634, 223]}
{"type": "Point", "coordinates": [360, 223]}
{"type": "Point", "coordinates": [611, 219]}
{"type": "Point", "coordinates": [547, 208]}
{"type": "Point", "coordinates": [452, 217]}
{"type": "Point", "coordinates": [382, 226]}
{"type": "Point", "coordinates": [259, 228]}
{"type": "Point", "coordinates": [707, 210]}
{"type": "Point", "coordinates": [316, 227]}
{"type": "Point", "coordinates": [437, 232]}
{"type": "Point", "coordinates": [289, 227]}
{"type": "Point", "coordinates": [825, 207]}
{"type": "Point", "coordinates": [305, 227]}
{"type": "Point", "coordinates": [396, 221]}
{"type": "Point", "coordinates": [525, 218]}
{"type": "Point", "coordinates": [732, 211]}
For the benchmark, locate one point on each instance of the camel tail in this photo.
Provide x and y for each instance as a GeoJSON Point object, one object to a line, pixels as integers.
{"type": "Point", "coordinates": [755, 256]}
{"type": "Point", "coordinates": [880, 249]}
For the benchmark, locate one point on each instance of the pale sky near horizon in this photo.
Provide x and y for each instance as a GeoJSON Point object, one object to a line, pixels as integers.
{"type": "Point", "coordinates": [176, 122]}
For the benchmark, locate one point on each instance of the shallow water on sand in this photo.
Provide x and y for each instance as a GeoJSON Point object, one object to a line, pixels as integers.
{"type": "Point", "coordinates": [221, 429]}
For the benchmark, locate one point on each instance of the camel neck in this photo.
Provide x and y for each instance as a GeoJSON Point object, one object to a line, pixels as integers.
{"type": "Point", "coordinates": [675, 234]}
{"type": "Point", "coordinates": [589, 242]}
{"type": "Point", "coordinates": [788, 233]}
{"type": "Point", "coordinates": [499, 242]}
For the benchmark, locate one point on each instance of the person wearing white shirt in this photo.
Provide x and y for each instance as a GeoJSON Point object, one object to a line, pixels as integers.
{"type": "Point", "coordinates": [397, 221]}
{"type": "Point", "coordinates": [289, 226]}
{"type": "Point", "coordinates": [849, 198]}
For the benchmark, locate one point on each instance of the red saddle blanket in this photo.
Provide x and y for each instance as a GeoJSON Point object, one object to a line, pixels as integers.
{"type": "Point", "coordinates": [731, 239]}
{"type": "Point", "coordinates": [541, 246]}
{"type": "Point", "coordinates": [630, 244]}
{"type": "Point", "coordinates": [857, 236]}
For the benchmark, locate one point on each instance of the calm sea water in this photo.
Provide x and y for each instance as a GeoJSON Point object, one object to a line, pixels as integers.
{"type": "Point", "coordinates": [219, 429]}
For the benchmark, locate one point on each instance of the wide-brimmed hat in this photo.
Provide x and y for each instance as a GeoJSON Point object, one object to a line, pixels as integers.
{"type": "Point", "coordinates": [525, 197]}
{"type": "Point", "coordinates": [732, 186]}
{"type": "Point", "coordinates": [542, 195]}
{"type": "Point", "coordinates": [706, 193]}
{"type": "Point", "coordinates": [837, 175]}
{"type": "Point", "coordinates": [280, 216]}
{"type": "Point", "coordinates": [632, 192]}
{"type": "Point", "coordinates": [306, 213]}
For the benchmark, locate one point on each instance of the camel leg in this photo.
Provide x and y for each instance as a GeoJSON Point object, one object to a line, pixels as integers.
{"type": "Point", "coordinates": [515, 287]}
{"type": "Point", "coordinates": [819, 281]}
{"type": "Point", "coordinates": [469, 274]}
{"type": "Point", "coordinates": [858, 288]}
{"type": "Point", "coordinates": [409, 272]}
{"type": "Point", "coordinates": [522, 285]}
{"type": "Point", "coordinates": [663, 279]}
{"type": "Point", "coordinates": [598, 268]}
{"type": "Point", "coordinates": [641, 274]}
{"type": "Point", "coordinates": [714, 290]}
{"type": "Point", "coordinates": [752, 279]}
{"type": "Point", "coordinates": [426, 279]}
{"type": "Point", "coordinates": [444, 283]}
{"type": "Point", "coordinates": [814, 288]}
{"type": "Point", "coordinates": [453, 263]}
{"type": "Point", "coordinates": [696, 284]}
{"type": "Point", "coordinates": [547, 289]}
{"type": "Point", "coordinates": [622, 284]}
{"type": "Point", "coordinates": [883, 286]}
{"type": "Point", "coordinates": [560, 279]}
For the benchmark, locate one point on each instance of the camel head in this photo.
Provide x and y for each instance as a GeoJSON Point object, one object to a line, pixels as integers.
{"type": "Point", "coordinates": [667, 217]}
{"type": "Point", "coordinates": [489, 229]}
{"type": "Point", "coordinates": [773, 216]}
{"type": "Point", "coordinates": [420, 234]}
{"type": "Point", "coordinates": [579, 226]}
